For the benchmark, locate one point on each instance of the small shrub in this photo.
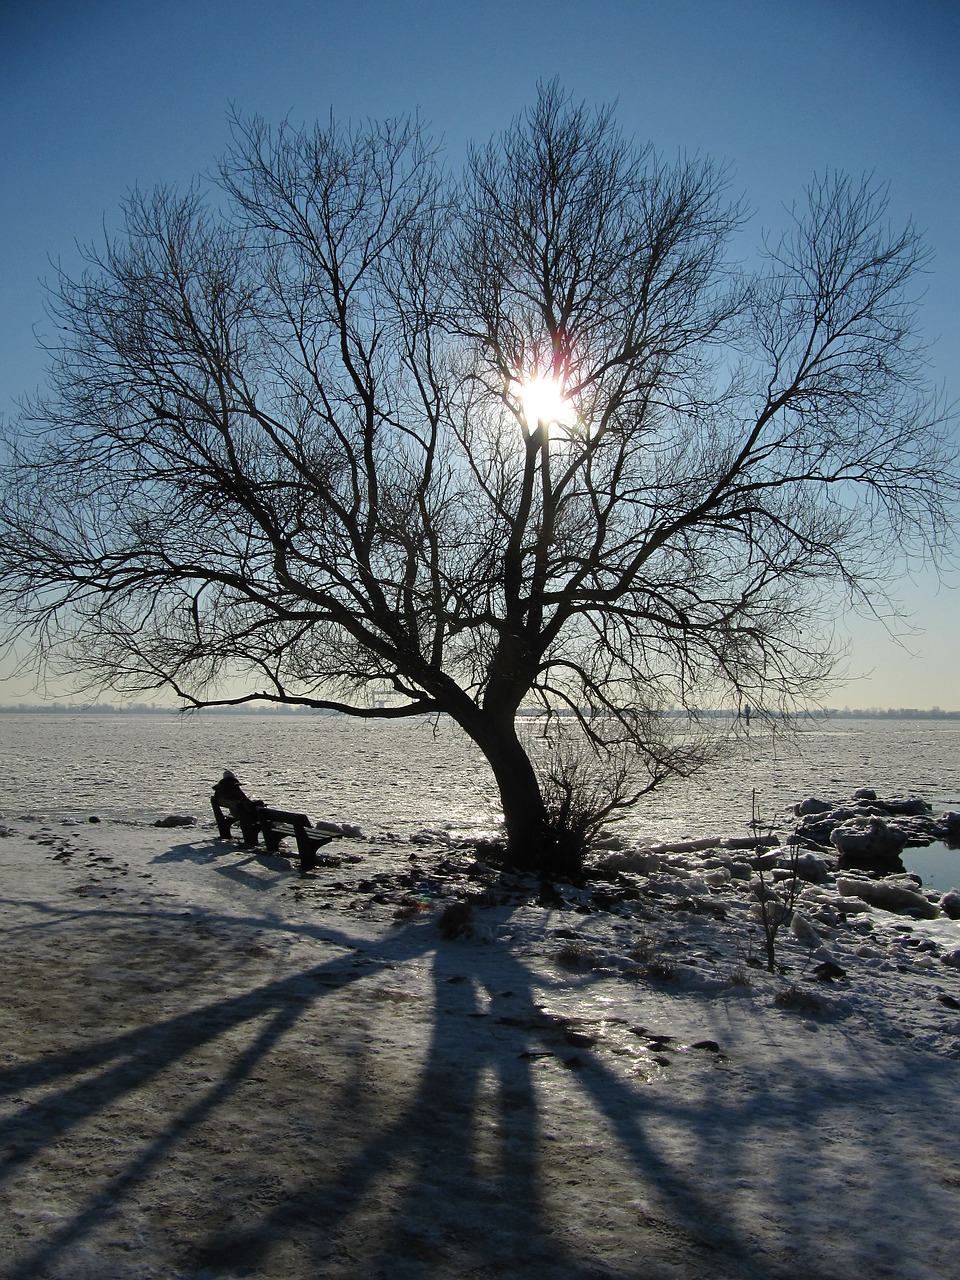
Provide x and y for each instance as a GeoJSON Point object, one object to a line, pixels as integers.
{"type": "Point", "coordinates": [799, 1000]}
{"type": "Point", "coordinates": [740, 976]}
{"type": "Point", "coordinates": [576, 955]}
{"type": "Point", "coordinates": [456, 921]}
{"type": "Point", "coordinates": [774, 907]}
{"type": "Point", "coordinates": [645, 948]}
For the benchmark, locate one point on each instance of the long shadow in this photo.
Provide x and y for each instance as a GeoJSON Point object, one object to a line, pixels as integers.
{"type": "Point", "coordinates": [432, 1142]}
{"type": "Point", "coordinates": [808, 1100]}
{"type": "Point", "coordinates": [429, 1154]}
{"type": "Point", "coordinates": [128, 1062]}
{"type": "Point", "coordinates": [431, 1149]}
{"type": "Point", "coordinates": [466, 1138]}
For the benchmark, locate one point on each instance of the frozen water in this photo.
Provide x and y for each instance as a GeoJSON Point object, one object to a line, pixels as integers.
{"type": "Point", "coordinates": [403, 777]}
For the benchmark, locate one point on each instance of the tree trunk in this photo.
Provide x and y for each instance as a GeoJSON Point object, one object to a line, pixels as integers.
{"type": "Point", "coordinates": [533, 843]}
{"type": "Point", "coordinates": [524, 812]}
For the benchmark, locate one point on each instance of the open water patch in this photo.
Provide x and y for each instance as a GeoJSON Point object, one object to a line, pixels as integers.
{"type": "Point", "coordinates": [937, 864]}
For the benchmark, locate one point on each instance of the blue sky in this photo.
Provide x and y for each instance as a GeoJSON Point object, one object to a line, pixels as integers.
{"type": "Point", "coordinates": [97, 96]}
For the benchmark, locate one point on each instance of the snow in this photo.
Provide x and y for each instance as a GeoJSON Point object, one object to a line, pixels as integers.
{"type": "Point", "coordinates": [213, 1067]}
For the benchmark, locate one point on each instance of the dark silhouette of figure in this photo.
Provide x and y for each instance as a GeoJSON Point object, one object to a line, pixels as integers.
{"type": "Point", "coordinates": [230, 798]}
{"type": "Point", "coordinates": [229, 794]}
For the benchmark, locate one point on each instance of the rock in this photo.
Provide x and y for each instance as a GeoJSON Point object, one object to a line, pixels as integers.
{"type": "Point", "coordinates": [811, 805]}
{"type": "Point", "coordinates": [850, 905]}
{"type": "Point", "coordinates": [889, 895]}
{"type": "Point", "coordinates": [176, 820]}
{"type": "Point", "coordinates": [911, 805]}
{"type": "Point", "coordinates": [689, 846]}
{"type": "Point", "coordinates": [950, 904]}
{"type": "Point", "coordinates": [675, 886]}
{"type": "Point", "coordinates": [354, 832]}
{"type": "Point", "coordinates": [815, 895]}
{"type": "Point", "coordinates": [696, 886]}
{"type": "Point", "coordinates": [951, 958]}
{"type": "Point", "coordinates": [818, 822]}
{"type": "Point", "coordinates": [868, 844]}
{"type": "Point", "coordinates": [819, 827]}
{"type": "Point", "coordinates": [642, 860]}
{"type": "Point", "coordinates": [741, 871]}
{"type": "Point", "coordinates": [828, 971]}
{"type": "Point", "coordinates": [831, 901]}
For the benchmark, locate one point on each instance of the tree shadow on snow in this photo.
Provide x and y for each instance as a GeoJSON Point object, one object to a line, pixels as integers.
{"type": "Point", "coordinates": [445, 1174]}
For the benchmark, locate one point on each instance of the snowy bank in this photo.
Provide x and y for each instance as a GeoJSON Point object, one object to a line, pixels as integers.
{"type": "Point", "coordinates": [410, 1064]}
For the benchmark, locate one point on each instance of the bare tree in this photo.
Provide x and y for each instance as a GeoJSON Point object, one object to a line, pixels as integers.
{"type": "Point", "coordinates": [293, 444]}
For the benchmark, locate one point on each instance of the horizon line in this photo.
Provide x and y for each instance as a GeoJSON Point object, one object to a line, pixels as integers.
{"type": "Point", "coordinates": [55, 706]}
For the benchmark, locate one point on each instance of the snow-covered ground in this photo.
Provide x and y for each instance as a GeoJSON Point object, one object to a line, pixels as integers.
{"type": "Point", "coordinates": [212, 1067]}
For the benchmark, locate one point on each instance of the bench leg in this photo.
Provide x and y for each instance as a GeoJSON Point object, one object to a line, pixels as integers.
{"type": "Point", "coordinates": [251, 831]}
{"type": "Point", "coordinates": [307, 848]}
{"type": "Point", "coordinates": [271, 840]}
{"type": "Point", "coordinates": [224, 820]}
{"type": "Point", "coordinates": [307, 851]}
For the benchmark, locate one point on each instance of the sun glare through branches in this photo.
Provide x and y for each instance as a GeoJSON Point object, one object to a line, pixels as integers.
{"type": "Point", "coordinates": [542, 400]}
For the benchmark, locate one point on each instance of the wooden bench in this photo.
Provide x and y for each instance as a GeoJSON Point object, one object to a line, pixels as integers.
{"type": "Point", "coordinates": [256, 818]}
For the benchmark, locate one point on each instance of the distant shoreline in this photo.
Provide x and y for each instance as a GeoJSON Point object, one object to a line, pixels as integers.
{"type": "Point", "coordinates": [143, 708]}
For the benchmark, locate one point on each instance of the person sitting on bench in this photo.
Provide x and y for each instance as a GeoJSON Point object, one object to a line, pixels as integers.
{"type": "Point", "coordinates": [232, 805]}
{"type": "Point", "coordinates": [229, 795]}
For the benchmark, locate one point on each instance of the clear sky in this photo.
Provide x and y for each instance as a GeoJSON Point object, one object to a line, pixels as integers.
{"type": "Point", "coordinates": [97, 96]}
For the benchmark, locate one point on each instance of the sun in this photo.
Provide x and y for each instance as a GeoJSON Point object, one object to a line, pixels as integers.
{"type": "Point", "coordinates": [542, 399]}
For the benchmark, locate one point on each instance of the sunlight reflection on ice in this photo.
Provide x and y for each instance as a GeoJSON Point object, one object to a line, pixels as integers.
{"type": "Point", "coordinates": [393, 777]}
